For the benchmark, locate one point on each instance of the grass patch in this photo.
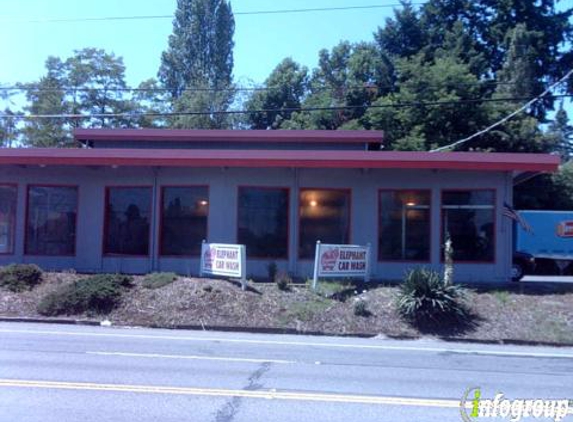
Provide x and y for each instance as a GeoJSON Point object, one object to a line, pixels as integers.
{"type": "Point", "coordinates": [98, 294]}
{"type": "Point", "coordinates": [158, 280]}
{"type": "Point", "coordinates": [20, 277]}
{"type": "Point", "coordinates": [502, 296]}
{"type": "Point", "coordinates": [305, 310]}
{"type": "Point", "coordinates": [333, 289]}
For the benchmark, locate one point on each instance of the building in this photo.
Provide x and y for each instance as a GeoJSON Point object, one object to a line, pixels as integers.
{"type": "Point", "coordinates": [137, 201]}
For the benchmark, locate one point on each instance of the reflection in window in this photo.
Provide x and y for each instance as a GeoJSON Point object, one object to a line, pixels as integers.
{"type": "Point", "coordinates": [184, 219]}
{"type": "Point", "coordinates": [263, 221]}
{"type": "Point", "coordinates": [128, 212]}
{"type": "Point", "coordinates": [404, 225]}
{"type": "Point", "coordinates": [469, 219]}
{"type": "Point", "coordinates": [51, 220]}
{"type": "Point", "coordinates": [8, 197]}
{"type": "Point", "coordinates": [324, 214]}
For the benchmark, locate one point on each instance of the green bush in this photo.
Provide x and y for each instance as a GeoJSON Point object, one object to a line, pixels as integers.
{"type": "Point", "coordinates": [20, 277]}
{"type": "Point", "coordinates": [158, 280]}
{"type": "Point", "coordinates": [361, 308]}
{"type": "Point", "coordinates": [98, 294]}
{"type": "Point", "coordinates": [425, 299]}
{"type": "Point", "coordinates": [283, 281]}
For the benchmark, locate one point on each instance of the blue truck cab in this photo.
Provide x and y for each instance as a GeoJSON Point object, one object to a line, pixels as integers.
{"type": "Point", "coordinates": [546, 249]}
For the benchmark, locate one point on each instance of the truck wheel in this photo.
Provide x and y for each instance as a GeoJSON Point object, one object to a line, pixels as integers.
{"type": "Point", "coordinates": [516, 271]}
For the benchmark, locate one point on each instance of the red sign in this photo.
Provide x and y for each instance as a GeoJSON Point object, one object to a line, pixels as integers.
{"type": "Point", "coordinates": [565, 229]}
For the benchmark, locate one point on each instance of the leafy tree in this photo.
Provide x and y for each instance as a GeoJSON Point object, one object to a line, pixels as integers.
{"type": "Point", "coordinates": [561, 134]}
{"type": "Point", "coordinates": [547, 191]}
{"type": "Point", "coordinates": [285, 88]}
{"type": "Point", "coordinates": [8, 129]}
{"type": "Point", "coordinates": [87, 83]}
{"type": "Point", "coordinates": [150, 101]}
{"type": "Point", "coordinates": [403, 35]}
{"type": "Point", "coordinates": [197, 67]}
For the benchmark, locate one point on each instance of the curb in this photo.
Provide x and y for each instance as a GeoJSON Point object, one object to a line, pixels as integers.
{"type": "Point", "coordinates": [290, 331]}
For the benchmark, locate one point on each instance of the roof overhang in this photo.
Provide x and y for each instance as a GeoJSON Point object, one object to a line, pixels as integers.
{"type": "Point", "coordinates": [277, 158]}
{"type": "Point", "coordinates": [184, 135]}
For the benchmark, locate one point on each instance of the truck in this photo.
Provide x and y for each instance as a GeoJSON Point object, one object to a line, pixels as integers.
{"type": "Point", "coordinates": [546, 246]}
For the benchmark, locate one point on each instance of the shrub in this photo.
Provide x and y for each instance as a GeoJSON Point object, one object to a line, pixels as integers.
{"type": "Point", "coordinates": [361, 308]}
{"type": "Point", "coordinates": [20, 277]}
{"type": "Point", "coordinates": [283, 281]}
{"type": "Point", "coordinates": [424, 298]}
{"type": "Point", "coordinates": [158, 280]}
{"type": "Point", "coordinates": [272, 271]}
{"type": "Point", "coordinates": [98, 294]}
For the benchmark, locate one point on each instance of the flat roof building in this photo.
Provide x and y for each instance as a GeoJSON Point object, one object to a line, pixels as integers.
{"type": "Point", "coordinates": [138, 201]}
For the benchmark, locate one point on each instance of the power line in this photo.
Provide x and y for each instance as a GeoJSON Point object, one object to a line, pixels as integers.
{"type": "Point", "coordinates": [506, 118]}
{"type": "Point", "coordinates": [245, 13]}
{"type": "Point", "coordinates": [235, 89]}
{"type": "Point", "coordinates": [261, 111]}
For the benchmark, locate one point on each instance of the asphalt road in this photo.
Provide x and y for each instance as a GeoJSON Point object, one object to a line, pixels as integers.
{"type": "Point", "coordinates": [57, 373]}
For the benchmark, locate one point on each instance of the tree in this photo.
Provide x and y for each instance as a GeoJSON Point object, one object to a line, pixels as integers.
{"type": "Point", "coordinates": [285, 88]}
{"type": "Point", "coordinates": [91, 82]}
{"type": "Point", "coordinates": [197, 67]}
{"type": "Point", "coordinates": [8, 129]}
{"type": "Point", "coordinates": [403, 35]}
{"type": "Point", "coordinates": [561, 134]}
{"type": "Point", "coordinates": [150, 101]}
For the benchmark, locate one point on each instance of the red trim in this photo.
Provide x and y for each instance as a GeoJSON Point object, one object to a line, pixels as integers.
{"type": "Point", "coordinates": [161, 195]}
{"type": "Point", "coordinates": [379, 208]}
{"type": "Point", "coordinates": [251, 136]}
{"type": "Point", "coordinates": [105, 222]}
{"type": "Point", "coordinates": [278, 158]}
{"type": "Point", "coordinates": [494, 210]}
{"type": "Point", "coordinates": [14, 214]}
{"type": "Point", "coordinates": [348, 234]}
{"type": "Point", "coordinates": [30, 185]}
{"type": "Point", "coordinates": [288, 220]}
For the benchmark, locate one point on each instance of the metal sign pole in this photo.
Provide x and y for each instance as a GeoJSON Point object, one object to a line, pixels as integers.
{"type": "Point", "coordinates": [368, 263]}
{"type": "Point", "coordinates": [316, 263]}
{"type": "Point", "coordinates": [243, 268]}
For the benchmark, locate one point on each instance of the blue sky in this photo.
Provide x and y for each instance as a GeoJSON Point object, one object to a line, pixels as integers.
{"type": "Point", "coordinates": [261, 41]}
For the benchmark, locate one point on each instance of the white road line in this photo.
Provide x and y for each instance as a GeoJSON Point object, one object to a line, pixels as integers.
{"type": "Point", "coordinates": [298, 343]}
{"type": "Point", "coordinates": [191, 357]}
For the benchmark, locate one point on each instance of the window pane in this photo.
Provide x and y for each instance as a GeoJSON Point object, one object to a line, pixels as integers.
{"type": "Point", "coordinates": [469, 218]}
{"type": "Point", "coordinates": [8, 197]}
{"type": "Point", "coordinates": [184, 220]}
{"type": "Point", "coordinates": [404, 225]}
{"type": "Point", "coordinates": [51, 220]}
{"type": "Point", "coordinates": [128, 212]}
{"type": "Point", "coordinates": [471, 197]}
{"type": "Point", "coordinates": [324, 215]}
{"type": "Point", "coordinates": [263, 221]}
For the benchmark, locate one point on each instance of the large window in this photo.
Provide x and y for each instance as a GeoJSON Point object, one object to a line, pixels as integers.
{"type": "Point", "coordinates": [51, 220]}
{"type": "Point", "coordinates": [404, 225]}
{"type": "Point", "coordinates": [184, 215]}
{"type": "Point", "coordinates": [263, 221]}
{"type": "Point", "coordinates": [8, 197]}
{"type": "Point", "coordinates": [469, 219]}
{"type": "Point", "coordinates": [128, 213]}
{"type": "Point", "coordinates": [324, 215]}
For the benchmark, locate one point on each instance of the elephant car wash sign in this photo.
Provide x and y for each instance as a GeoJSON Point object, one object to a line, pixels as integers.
{"type": "Point", "coordinates": [342, 261]}
{"type": "Point", "coordinates": [225, 260]}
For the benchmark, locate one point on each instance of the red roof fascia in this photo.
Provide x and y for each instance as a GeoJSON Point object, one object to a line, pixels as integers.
{"type": "Point", "coordinates": [180, 135]}
{"type": "Point", "coordinates": [273, 158]}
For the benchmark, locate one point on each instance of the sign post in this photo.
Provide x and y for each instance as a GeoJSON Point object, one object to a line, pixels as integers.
{"type": "Point", "coordinates": [347, 261]}
{"type": "Point", "coordinates": [226, 260]}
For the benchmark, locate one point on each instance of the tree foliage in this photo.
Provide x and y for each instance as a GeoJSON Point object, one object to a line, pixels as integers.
{"type": "Point", "coordinates": [197, 67]}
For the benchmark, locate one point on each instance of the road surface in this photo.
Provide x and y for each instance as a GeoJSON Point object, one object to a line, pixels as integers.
{"type": "Point", "coordinates": [58, 373]}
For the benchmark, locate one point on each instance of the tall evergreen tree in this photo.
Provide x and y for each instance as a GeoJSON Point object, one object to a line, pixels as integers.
{"type": "Point", "coordinates": [197, 67]}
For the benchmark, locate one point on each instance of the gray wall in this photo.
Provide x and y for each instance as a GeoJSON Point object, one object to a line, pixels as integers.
{"type": "Point", "coordinates": [223, 185]}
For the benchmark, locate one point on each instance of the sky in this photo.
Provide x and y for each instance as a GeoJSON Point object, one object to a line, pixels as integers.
{"type": "Point", "coordinates": [261, 41]}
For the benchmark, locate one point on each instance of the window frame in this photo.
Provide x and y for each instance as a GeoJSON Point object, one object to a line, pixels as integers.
{"type": "Point", "coordinates": [349, 231]}
{"type": "Point", "coordinates": [14, 217]}
{"type": "Point", "coordinates": [107, 188]}
{"type": "Point", "coordinates": [266, 187]}
{"type": "Point", "coordinates": [161, 213]}
{"type": "Point", "coordinates": [379, 226]}
{"type": "Point", "coordinates": [493, 261]}
{"type": "Point", "coordinates": [76, 219]}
